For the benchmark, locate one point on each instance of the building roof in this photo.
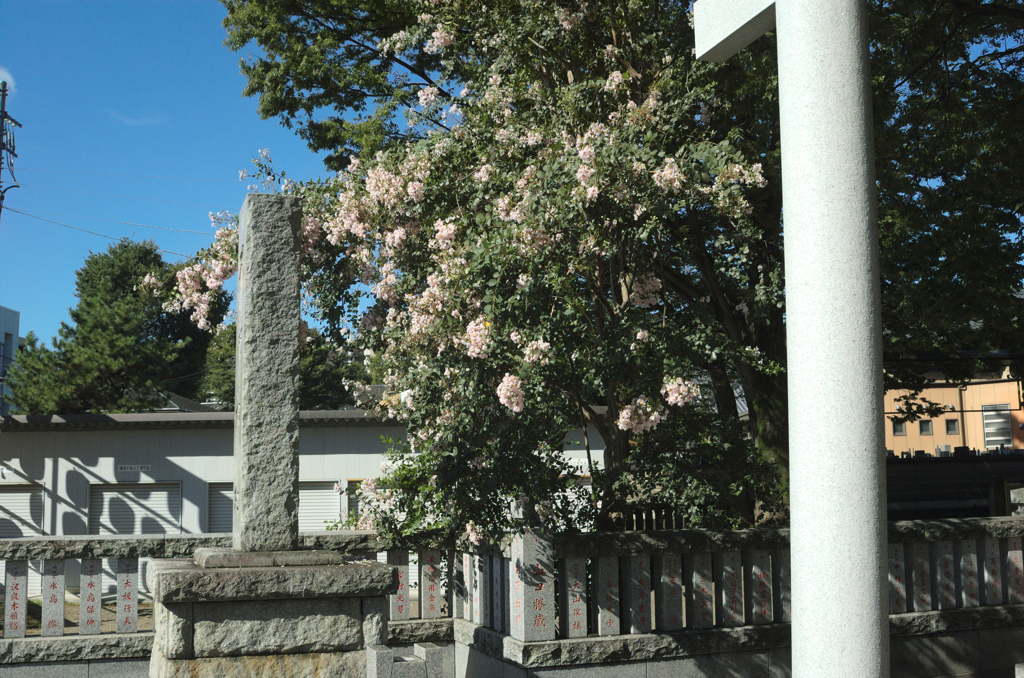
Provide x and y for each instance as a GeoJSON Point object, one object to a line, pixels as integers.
{"type": "Point", "coordinates": [163, 420]}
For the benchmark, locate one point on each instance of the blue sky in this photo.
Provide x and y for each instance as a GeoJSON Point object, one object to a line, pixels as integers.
{"type": "Point", "coordinates": [145, 89]}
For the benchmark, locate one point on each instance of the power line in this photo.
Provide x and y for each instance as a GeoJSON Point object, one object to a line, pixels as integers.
{"type": "Point", "coordinates": [111, 195]}
{"type": "Point", "coordinates": [111, 221]}
{"type": "Point", "coordinates": [131, 176]}
{"type": "Point", "coordinates": [76, 228]}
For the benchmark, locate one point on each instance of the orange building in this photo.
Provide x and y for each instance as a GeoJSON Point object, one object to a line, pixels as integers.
{"type": "Point", "coordinates": [985, 414]}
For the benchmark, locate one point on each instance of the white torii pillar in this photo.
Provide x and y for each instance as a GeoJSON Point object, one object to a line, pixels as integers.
{"type": "Point", "coordinates": [833, 323]}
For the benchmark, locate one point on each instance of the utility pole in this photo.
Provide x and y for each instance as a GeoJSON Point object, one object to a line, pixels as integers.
{"type": "Point", "coordinates": [7, 125]}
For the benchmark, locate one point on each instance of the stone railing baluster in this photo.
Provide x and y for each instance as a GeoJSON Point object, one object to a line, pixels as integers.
{"type": "Point", "coordinates": [969, 588]}
{"type": "Point", "coordinates": [759, 591]}
{"type": "Point", "coordinates": [897, 579]}
{"type": "Point", "coordinates": [945, 581]}
{"type": "Point", "coordinates": [993, 573]}
{"type": "Point", "coordinates": [699, 577]}
{"type": "Point", "coordinates": [636, 594]}
{"type": "Point", "coordinates": [430, 584]}
{"type": "Point", "coordinates": [497, 609]}
{"type": "Point", "coordinates": [1014, 571]}
{"type": "Point", "coordinates": [482, 590]}
{"type": "Point", "coordinates": [607, 599]}
{"type": "Point", "coordinates": [53, 598]}
{"type": "Point", "coordinates": [667, 576]}
{"type": "Point", "coordinates": [533, 616]}
{"type": "Point", "coordinates": [127, 601]}
{"type": "Point", "coordinates": [398, 603]}
{"type": "Point", "coordinates": [920, 577]}
{"type": "Point", "coordinates": [15, 608]}
{"type": "Point", "coordinates": [90, 592]}
{"type": "Point", "coordinates": [468, 583]}
{"type": "Point", "coordinates": [729, 583]}
{"type": "Point", "coordinates": [572, 598]}
{"type": "Point", "coordinates": [506, 587]}
{"type": "Point", "coordinates": [782, 580]}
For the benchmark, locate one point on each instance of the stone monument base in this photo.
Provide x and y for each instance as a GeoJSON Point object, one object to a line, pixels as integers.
{"type": "Point", "coordinates": [303, 613]}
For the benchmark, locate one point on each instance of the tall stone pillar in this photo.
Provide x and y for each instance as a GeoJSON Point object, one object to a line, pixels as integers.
{"type": "Point", "coordinates": [266, 488]}
{"type": "Point", "coordinates": [834, 337]}
{"type": "Point", "coordinates": [833, 320]}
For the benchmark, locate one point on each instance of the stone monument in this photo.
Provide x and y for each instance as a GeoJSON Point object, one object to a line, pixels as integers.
{"type": "Point", "coordinates": [833, 320]}
{"type": "Point", "coordinates": [265, 608]}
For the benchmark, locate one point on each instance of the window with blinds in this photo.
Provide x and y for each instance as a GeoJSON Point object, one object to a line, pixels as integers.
{"type": "Point", "coordinates": [998, 431]}
{"type": "Point", "coordinates": [318, 505]}
{"type": "Point", "coordinates": [220, 507]}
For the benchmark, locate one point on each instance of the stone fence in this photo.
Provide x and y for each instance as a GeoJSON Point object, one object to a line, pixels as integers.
{"type": "Point", "coordinates": [561, 603]}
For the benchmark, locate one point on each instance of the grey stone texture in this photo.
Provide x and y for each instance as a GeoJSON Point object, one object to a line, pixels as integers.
{"type": "Point", "coordinates": [267, 375]}
{"type": "Point", "coordinates": [225, 557]}
{"type": "Point", "coordinates": [15, 598]}
{"type": "Point", "coordinates": [375, 620]}
{"type": "Point", "coordinates": [698, 575]}
{"type": "Point", "coordinates": [499, 601]}
{"type": "Point", "coordinates": [108, 546]}
{"type": "Point", "coordinates": [52, 581]}
{"type": "Point", "coordinates": [970, 590]}
{"type": "Point", "coordinates": [667, 577]}
{"type": "Point", "coordinates": [398, 602]}
{"type": "Point", "coordinates": [729, 588]}
{"type": "Point", "coordinates": [380, 661]}
{"type": "Point", "coordinates": [72, 647]}
{"type": "Point", "coordinates": [598, 544]}
{"type": "Point", "coordinates": [991, 566]}
{"type": "Point", "coordinates": [723, 665]}
{"type": "Point", "coordinates": [636, 594]}
{"type": "Point", "coordinates": [945, 580]}
{"type": "Point", "coordinates": [173, 623]}
{"type": "Point", "coordinates": [482, 597]}
{"type": "Point", "coordinates": [302, 665]}
{"type": "Point", "coordinates": [607, 597]}
{"type": "Point", "coordinates": [759, 588]}
{"type": "Point", "coordinates": [285, 626]}
{"type": "Point", "coordinates": [468, 584]}
{"type": "Point", "coordinates": [182, 581]}
{"type": "Point", "coordinates": [90, 584]}
{"type": "Point", "coordinates": [572, 598]}
{"type": "Point", "coordinates": [533, 586]}
{"type": "Point", "coordinates": [897, 579]}
{"type": "Point", "coordinates": [782, 578]}
{"type": "Point", "coordinates": [431, 596]}
{"type": "Point", "coordinates": [1014, 571]}
{"type": "Point", "coordinates": [920, 584]}
{"type": "Point", "coordinates": [433, 657]}
{"type": "Point", "coordinates": [127, 600]}
{"type": "Point", "coordinates": [419, 631]}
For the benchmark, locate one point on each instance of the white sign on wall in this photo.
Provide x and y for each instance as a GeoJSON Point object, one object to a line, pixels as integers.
{"type": "Point", "coordinates": [131, 468]}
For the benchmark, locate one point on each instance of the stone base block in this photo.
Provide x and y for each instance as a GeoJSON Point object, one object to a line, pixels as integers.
{"type": "Point", "coordinates": [247, 627]}
{"type": "Point", "coordinates": [306, 665]}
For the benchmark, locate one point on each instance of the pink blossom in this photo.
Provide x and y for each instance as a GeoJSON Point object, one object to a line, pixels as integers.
{"type": "Point", "coordinates": [615, 80]}
{"type": "Point", "coordinates": [679, 392]}
{"type": "Point", "coordinates": [592, 193]}
{"type": "Point", "coordinates": [587, 154]}
{"type": "Point", "coordinates": [427, 96]}
{"type": "Point", "coordinates": [669, 177]}
{"type": "Point", "coordinates": [483, 174]}
{"type": "Point", "coordinates": [537, 352]}
{"type": "Point", "coordinates": [478, 338]}
{"type": "Point", "coordinates": [584, 173]}
{"type": "Point", "coordinates": [640, 416]}
{"type": "Point", "coordinates": [415, 190]}
{"type": "Point", "coordinates": [645, 291]}
{"type": "Point", "coordinates": [510, 393]}
{"type": "Point", "coordinates": [439, 39]}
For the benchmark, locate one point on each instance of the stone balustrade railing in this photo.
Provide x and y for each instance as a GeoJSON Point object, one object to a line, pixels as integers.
{"type": "Point", "coordinates": [561, 586]}
{"type": "Point", "coordinates": [537, 587]}
{"type": "Point", "coordinates": [54, 552]}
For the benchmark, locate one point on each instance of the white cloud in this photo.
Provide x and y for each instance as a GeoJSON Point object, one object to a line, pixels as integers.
{"type": "Point", "coordinates": [9, 79]}
{"type": "Point", "coordinates": [136, 122]}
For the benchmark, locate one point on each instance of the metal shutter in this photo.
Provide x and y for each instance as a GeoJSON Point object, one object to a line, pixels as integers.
{"type": "Point", "coordinates": [136, 508]}
{"type": "Point", "coordinates": [318, 502]}
{"type": "Point", "coordinates": [997, 426]}
{"type": "Point", "coordinates": [21, 515]}
{"type": "Point", "coordinates": [220, 507]}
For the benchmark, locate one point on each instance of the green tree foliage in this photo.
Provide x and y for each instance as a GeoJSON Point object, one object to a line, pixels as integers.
{"type": "Point", "coordinates": [537, 78]}
{"type": "Point", "coordinates": [323, 372]}
{"type": "Point", "coordinates": [120, 346]}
